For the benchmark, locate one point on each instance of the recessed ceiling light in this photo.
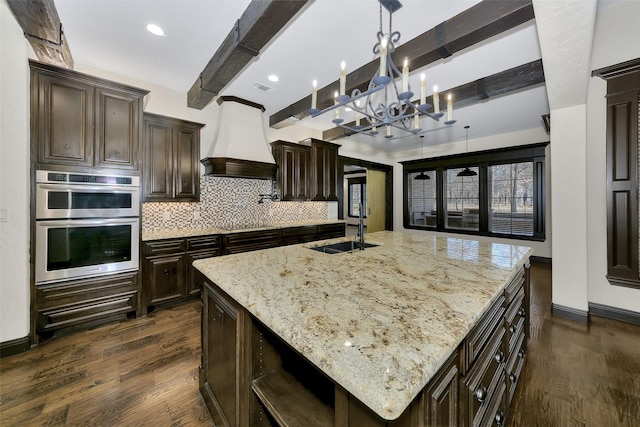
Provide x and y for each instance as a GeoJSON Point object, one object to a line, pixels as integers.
{"type": "Point", "coordinates": [155, 30]}
{"type": "Point", "coordinates": [273, 78]}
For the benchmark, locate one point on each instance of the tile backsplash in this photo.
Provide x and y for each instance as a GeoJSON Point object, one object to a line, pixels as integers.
{"type": "Point", "coordinates": [228, 203]}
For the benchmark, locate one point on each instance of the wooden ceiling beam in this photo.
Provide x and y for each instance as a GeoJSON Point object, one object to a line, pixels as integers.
{"type": "Point", "coordinates": [41, 25]}
{"type": "Point", "coordinates": [476, 24]}
{"type": "Point", "coordinates": [259, 23]}
{"type": "Point", "coordinates": [501, 83]}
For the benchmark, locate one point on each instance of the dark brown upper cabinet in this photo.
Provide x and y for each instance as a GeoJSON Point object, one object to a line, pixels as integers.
{"type": "Point", "coordinates": [293, 170]}
{"type": "Point", "coordinates": [171, 169]}
{"type": "Point", "coordinates": [307, 171]}
{"type": "Point", "coordinates": [623, 239]}
{"type": "Point", "coordinates": [324, 170]}
{"type": "Point", "coordinates": [81, 122]}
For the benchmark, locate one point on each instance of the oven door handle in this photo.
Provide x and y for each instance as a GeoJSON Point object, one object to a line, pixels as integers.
{"type": "Point", "coordinates": [92, 188]}
{"type": "Point", "coordinates": [96, 221]}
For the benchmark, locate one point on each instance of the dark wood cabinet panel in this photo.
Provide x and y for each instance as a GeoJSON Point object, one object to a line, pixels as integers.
{"type": "Point", "coordinates": [166, 279]}
{"type": "Point", "coordinates": [80, 122]}
{"type": "Point", "coordinates": [250, 241]}
{"type": "Point", "coordinates": [171, 153]}
{"type": "Point", "coordinates": [117, 128]}
{"type": "Point", "coordinates": [293, 170]}
{"type": "Point", "coordinates": [157, 185]}
{"type": "Point", "coordinates": [65, 121]}
{"type": "Point", "coordinates": [80, 303]}
{"type": "Point", "coordinates": [187, 162]}
{"type": "Point", "coordinates": [324, 171]}
{"type": "Point", "coordinates": [622, 188]}
{"type": "Point", "coordinates": [225, 357]}
{"type": "Point", "coordinates": [441, 397]}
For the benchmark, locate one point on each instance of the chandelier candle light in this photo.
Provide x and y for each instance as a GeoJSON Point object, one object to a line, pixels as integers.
{"type": "Point", "coordinates": [382, 104]}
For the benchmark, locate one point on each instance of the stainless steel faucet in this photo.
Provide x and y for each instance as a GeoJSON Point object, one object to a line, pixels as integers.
{"type": "Point", "coordinates": [360, 227]}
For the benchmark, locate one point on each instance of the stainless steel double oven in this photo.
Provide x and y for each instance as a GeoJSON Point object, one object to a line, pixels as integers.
{"type": "Point", "coordinates": [86, 225]}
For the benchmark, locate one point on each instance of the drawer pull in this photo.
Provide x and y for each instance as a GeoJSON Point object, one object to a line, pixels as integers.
{"type": "Point", "coordinates": [521, 311]}
{"type": "Point", "coordinates": [512, 329]}
{"type": "Point", "coordinates": [499, 356]}
{"type": "Point", "coordinates": [481, 393]}
{"type": "Point", "coordinates": [166, 272]}
{"type": "Point", "coordinates": [521, 353]}
{"type": "Point", "coordinates": [512, 377]}
{"type": "Point", "coordinates": [499, 418]}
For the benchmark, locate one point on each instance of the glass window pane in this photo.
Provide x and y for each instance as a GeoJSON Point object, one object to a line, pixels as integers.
{"type": "Point", "coordinates": [422, 198]}
{"type": "Point", "coordinates": [462, 199]}
{"type": "Point", "coordinates": [511, 201]}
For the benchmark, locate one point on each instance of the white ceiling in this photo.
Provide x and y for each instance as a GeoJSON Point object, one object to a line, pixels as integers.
{"type": "Point", "coordinates": [111, 35]}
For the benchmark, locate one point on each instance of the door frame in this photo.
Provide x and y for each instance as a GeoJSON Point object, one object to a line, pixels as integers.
{"type": "Point", "coordinates": [387, 169]}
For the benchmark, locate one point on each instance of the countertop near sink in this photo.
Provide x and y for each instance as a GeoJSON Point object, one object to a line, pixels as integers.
{"type": "Point", "coordinates": [379, 322]}
{"type": "Point", "coordinates": [176, 233]}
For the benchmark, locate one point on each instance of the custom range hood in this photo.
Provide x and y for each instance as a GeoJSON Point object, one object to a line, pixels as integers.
{"type": "Point", "coordinates": [240, 148]}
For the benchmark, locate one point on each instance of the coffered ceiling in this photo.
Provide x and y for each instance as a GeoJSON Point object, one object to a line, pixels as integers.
{"type": "Point", "coordinates": [111, 35]}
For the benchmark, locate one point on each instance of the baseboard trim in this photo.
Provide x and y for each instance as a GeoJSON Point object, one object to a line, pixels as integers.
{"type": "Point", "coordinates": [570, 313]}
{"type": "Point", "coordinates": [11, 347]}
{"type": "Point", "coordinates": [614, 313]}
{"type": "Point", "coordinates": [540, 259]}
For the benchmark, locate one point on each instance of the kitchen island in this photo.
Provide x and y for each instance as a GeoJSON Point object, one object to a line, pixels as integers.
{"type": "Point", "coordinates": [362, 337]}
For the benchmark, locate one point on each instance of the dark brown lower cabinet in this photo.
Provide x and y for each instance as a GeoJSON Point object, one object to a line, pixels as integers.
{"type": "Point", "coordinates": [439, 402]}
{"type": "Point", "coordinates": [166, 268]}
{"type": "Point", "coordinates": [167, 272]}
{"type": "Point", "coordinates": [82, 303]}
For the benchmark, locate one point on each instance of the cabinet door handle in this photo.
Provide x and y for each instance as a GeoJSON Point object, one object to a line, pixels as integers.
{"type": "Point", "coordinates": [499, 418]}
{"type": "Point", "coordinates": [499, 356]}
{"type": "Point", "coordinates": [512, 377]}
{"type": "Point", "coordinates": [512, 329]}
{"type": "Point", "coordinates": [521, 311]}
{"type": "Point", "coordinates": [521, 353]}
{"type": "Point", "coordinates": [117, 152]}
{"type": "Point", "coordinates": [166, 272]}
{"type": "Point", "coordinates": [481, 393]}
{"type": "Point", "coordinates": [67, 146]}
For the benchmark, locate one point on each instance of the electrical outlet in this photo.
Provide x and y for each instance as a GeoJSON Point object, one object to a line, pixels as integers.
{"type": "Point", "coordinates": [166, 216]}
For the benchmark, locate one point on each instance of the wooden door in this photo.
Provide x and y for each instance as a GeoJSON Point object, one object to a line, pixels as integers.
{"type": "Point", "coordinates": [117, 129]}
{"type": "Point", "coordinates": [187, 166]}
{"type": "Point", "coordinates": [158, 167]}
{"type": "Point", "coordinates": [166, 279]}
{"type": "Point", "coordinates": [376, 201]}
{"type": "Point", "coordinates": [65, 121]}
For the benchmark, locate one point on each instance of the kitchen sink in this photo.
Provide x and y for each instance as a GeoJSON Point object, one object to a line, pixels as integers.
{"type": "Point", "coordinates": [340, 247]}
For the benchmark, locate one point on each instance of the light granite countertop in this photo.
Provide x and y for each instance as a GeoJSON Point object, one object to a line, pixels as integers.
{"type": "Point", "coordinates": [177, 233]}
{"type": "Point", "coordinates": [379, 322]}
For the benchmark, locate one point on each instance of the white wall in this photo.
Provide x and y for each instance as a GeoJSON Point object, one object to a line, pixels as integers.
{"type": "Point", "coordinates": [531, 136]}
{"type": "Point", "coordinates": [611, 46]}
{"type": "Point", "coordinates": [14, 178]}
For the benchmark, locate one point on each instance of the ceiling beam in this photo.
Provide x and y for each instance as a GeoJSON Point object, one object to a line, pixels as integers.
{"type": "Point", "coordinates": [476, 24]}
{"type": "Point", "coordinates": [259, 23]}
{"type": "Point", "coordinates": [41, 25]}
{"type": "Point", "coordinates": [501, 83]}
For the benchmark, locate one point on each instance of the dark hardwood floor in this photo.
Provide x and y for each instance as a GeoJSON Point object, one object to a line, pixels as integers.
{"type": "Point", "coordinates": [144, 372]}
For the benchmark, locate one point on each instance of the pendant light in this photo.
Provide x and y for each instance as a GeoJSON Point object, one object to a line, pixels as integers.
{"type": "Point", "coordinates": [466, 171]}
{"type": "Point", "coordinates": [421, 176]}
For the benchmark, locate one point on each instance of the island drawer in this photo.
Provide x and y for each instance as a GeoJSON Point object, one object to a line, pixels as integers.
{"type": "Point", "coordinates": [483, 378]}
{"type": "Point", "coordinates": [482, 332]}
{"type": "Point", "coordinates": [515, 320]}
{"type": "Point", "coordinates": [514, 365]}
{"type": "Point", "coordinates": [496, 409]}
{"type": "Point", "coordinates": [513, 288]}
